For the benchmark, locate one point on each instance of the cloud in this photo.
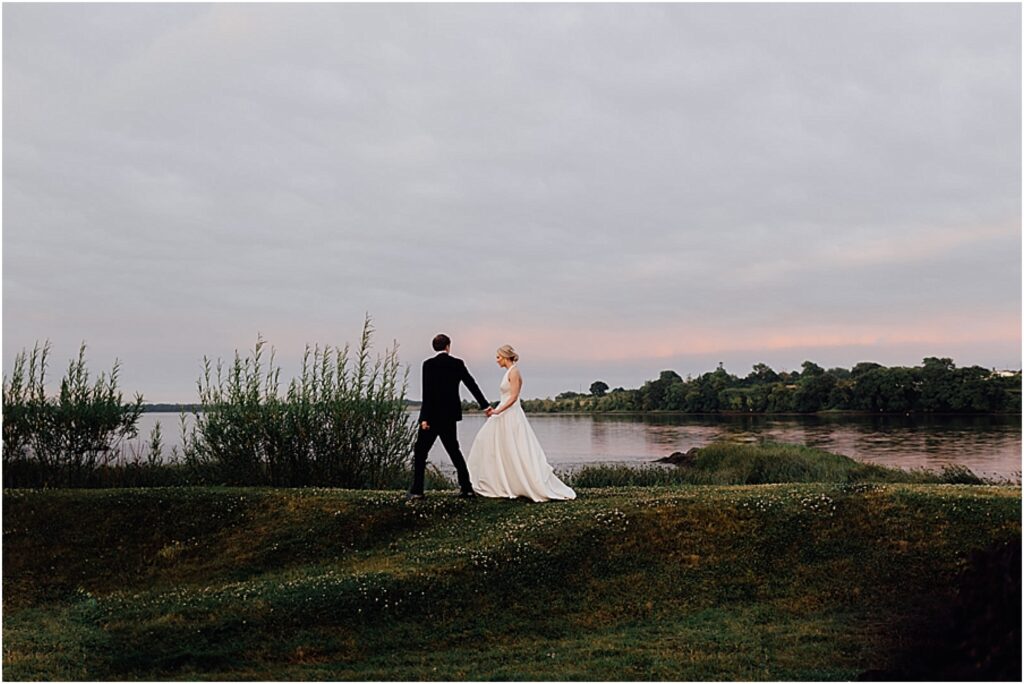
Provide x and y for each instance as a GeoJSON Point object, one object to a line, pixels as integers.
{"type": "Point", "coordinates": [181, 176]}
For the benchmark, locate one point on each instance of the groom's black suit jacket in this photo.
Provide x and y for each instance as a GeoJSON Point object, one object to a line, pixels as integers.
{"type": "Point", "coordinates": [441, 377]}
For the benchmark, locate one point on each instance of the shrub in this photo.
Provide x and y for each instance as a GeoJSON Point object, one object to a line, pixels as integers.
{"type": "Point", "coordinates": [342, 423]}
{"type": "Point", "coordinates": [64, 440]}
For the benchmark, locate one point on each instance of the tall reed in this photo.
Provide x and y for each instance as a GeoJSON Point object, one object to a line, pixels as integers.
{"type": "Point", "coordinates": [341, 423]}
{"type": "Point", "coordinates": [63, 440]}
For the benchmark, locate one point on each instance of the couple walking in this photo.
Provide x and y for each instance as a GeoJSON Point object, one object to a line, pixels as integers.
{"type": "Point", "coordinates": [506, 459]}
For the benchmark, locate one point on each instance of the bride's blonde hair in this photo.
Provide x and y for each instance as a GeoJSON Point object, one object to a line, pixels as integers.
{"type": "Point", "coordinates": [507, 352]}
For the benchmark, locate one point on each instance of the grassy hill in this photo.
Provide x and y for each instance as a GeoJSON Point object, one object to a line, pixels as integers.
{"type": "Point", "coordinates": [682, 582]}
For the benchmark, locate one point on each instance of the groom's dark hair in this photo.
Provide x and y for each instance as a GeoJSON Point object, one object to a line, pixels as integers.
{"type": "Point", "coordinates": [441, 342]}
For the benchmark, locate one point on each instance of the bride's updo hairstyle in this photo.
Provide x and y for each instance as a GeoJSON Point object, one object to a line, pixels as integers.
{"type": "Point", "coordinates": [507, 352]}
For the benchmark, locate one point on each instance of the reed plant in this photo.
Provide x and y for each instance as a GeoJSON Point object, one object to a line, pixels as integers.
{"type": "Point", "coordinates": [62, 440]}
{"type": "Point", "coordinates": [341, 423]}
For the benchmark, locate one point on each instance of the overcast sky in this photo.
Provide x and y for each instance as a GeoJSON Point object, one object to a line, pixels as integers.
{"type": "Point", "coordinates": [612, 189]}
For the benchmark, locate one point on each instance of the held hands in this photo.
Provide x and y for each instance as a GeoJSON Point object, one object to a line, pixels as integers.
{"type": "Point", "coordinates": [424, 426]}
{"type": "Point", "coordinates": [489, 411]}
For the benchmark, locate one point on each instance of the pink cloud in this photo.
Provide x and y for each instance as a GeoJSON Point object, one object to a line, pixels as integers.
{"type": "Point", "coordinates": [593, 343]}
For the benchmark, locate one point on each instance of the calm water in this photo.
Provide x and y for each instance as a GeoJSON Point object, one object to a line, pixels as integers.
{"type": "Point", "coordinates": [988, 445]}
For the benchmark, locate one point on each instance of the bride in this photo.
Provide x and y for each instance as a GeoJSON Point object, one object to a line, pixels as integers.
{"type": "Point", "coordinates": [506, 459]}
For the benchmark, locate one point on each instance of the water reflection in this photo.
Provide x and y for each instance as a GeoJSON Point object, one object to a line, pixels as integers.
{"type": "Point", "coordinates": [989, 445]}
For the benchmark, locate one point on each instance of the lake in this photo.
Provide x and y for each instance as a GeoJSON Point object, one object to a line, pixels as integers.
{"type": "Point", "coordinates": [988, 445]}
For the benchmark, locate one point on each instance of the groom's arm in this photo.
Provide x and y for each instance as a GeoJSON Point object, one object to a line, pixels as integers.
{"type": "Point", "coordinates": [423, 405]}
{"type": "Point", "coordinates": [470, 383]}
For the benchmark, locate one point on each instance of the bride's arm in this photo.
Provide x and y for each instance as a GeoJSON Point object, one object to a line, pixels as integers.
{"type": "Point", "coordinates": [516, 380]}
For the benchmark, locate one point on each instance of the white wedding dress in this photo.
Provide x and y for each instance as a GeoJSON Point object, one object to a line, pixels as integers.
{"type": "Point", "coordinates": [507, 460]}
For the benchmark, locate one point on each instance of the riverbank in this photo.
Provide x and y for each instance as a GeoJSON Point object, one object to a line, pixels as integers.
{"type": "Point", "coordinates": [790, 581]}
{"type": "Point", "coordinates": [840, 413]}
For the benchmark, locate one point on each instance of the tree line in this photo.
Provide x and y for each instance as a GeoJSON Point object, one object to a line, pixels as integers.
{"type": "Point", "coordinates": [936, 386]}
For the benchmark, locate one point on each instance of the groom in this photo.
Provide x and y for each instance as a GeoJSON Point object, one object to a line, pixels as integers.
{"type": "Point", "coordinates": [441, 410]}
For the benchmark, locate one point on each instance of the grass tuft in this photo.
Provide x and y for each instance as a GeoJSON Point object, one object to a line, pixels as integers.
{"type": "Point", "coordinates": [730, 463]}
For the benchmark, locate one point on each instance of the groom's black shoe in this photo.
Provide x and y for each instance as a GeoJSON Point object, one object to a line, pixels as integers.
{"type": "Point", "coordinates": [412, 497]}
{"type": "Point", "coordinates": [467, 494]}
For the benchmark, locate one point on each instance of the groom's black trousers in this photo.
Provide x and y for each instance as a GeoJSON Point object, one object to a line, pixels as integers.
{"type": "Point", "coordinates": [450, 439]}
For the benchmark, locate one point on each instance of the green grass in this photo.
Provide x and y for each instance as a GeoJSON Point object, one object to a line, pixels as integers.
{"type": "Point", "coordinates": [790, 581]}
{"type": "Point", "coordinates": [730, 463]}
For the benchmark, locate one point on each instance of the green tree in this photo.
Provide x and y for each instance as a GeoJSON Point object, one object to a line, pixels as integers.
{"type": "Point", "coordinates": [839, 373]}
{"type": "Point", "coordinates": [652, 394]}
{"type": "Point", "coordinates": [781, 399]}
{"type": "Point", "coordinates": [675, 397]}
{"type": "Point", "coordinates": [976, 392]}
{"type": "Point", "coordinates": [841, 396]}
{"type": "Point", "coordinates": [599, 388]}
{"type": "Point", "coordinates": [938, 384]}
{"type": "Point", "coordinates": [813, 391]}
{"type": "Point", "coordinates": [864, 367]}
{"type": "Point", "coordinates": [811, 370]}
{"type": "Point", "coordinates": [762, 374]}
{"type": "Point", "coordinates": [886, 389]}
{"type": "Point", "coordinates": [758, 397]}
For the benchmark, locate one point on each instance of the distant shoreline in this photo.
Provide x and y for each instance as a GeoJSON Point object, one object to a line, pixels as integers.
{"type": "Point", "coordinates": [197, 408]}
{"type": "Point", "coordinates": [166, 407]}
